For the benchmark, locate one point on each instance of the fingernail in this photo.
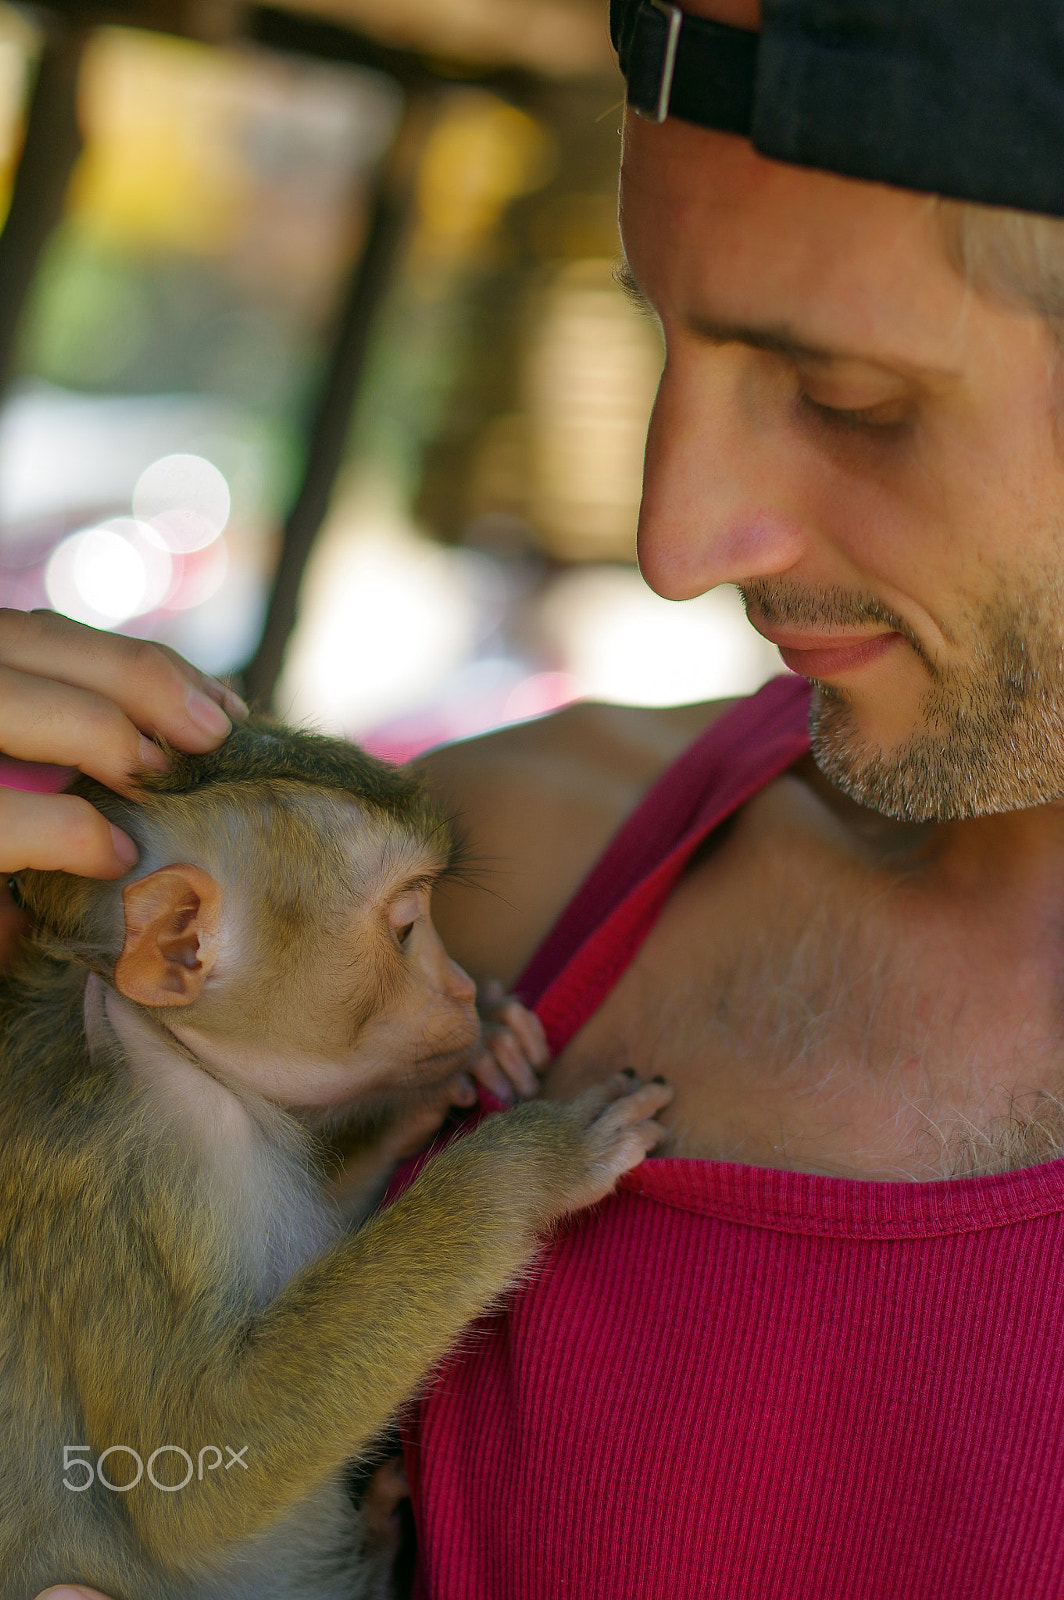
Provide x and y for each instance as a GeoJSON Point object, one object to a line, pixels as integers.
{"type": "Point", "coordinates": [152, 757]}
{"type": "Point", "coordinates": [657, 1078]}
{"type": "Point", "coordinates": [207, 715]}
{"type": "Point", "coordinates": [125, 849]}
{"type": "Point", "coordinates": [230, 699]}
{"type": "Point", "coordinates": [237, 708]}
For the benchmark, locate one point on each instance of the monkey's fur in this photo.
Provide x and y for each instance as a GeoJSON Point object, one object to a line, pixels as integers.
{"type": "Point", "coordinates": [172, 1271]}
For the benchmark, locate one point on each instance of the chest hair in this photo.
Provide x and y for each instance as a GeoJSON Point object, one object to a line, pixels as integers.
{"type": "Point", "coordinates": [810, 1019]}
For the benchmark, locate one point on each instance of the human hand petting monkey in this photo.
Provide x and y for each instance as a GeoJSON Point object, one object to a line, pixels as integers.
{"type": "Point", "coordinates": [74, 696]}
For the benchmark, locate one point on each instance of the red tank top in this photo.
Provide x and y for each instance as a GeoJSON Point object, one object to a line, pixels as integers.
{"type": "Point", "coordinates": [745, 1383]}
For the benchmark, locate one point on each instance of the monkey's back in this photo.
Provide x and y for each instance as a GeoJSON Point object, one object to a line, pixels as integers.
{"type": "Point", "coordinates": [109, 1239]}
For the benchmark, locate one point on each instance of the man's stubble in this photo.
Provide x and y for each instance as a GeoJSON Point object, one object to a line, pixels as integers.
{"type": "Point", "coordinates": [991, 734]}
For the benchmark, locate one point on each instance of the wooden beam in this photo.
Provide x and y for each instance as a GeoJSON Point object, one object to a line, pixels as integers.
{"type": "Point", "coordinates": [51, 147]}
{"type": "Point", "coordinates": [349, 345]}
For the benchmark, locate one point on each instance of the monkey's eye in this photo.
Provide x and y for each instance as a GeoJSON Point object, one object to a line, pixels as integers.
{"type": "Point", "coordinates": [403, 934]}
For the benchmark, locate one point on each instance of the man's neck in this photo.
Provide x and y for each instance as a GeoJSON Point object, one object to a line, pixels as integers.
{"type": "Point", "coordinates": [1012, 862]}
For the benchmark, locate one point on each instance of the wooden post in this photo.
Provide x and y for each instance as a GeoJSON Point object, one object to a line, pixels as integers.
{"type": "Point", "coordinates": [366, 289]}
{"type": "Point", "coordinates": [52, 146]}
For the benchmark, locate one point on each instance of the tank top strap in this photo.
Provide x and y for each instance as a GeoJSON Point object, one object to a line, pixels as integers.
{"type": "Point", "coordinates": [619, 901]}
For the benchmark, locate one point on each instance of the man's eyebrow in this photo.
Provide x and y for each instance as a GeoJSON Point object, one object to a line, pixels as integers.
{"type": "Point", "coordinates": [776, 340]}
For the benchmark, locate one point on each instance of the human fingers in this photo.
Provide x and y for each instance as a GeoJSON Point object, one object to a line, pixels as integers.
{"type": "Point", "coordinates": [60, 832]}
{"type": "Point", "coordinates": [42, 720]}
{"type": "Point", "coordinates": [66, 1592]}
{"type": "Point", "coordinates": [156, 689]}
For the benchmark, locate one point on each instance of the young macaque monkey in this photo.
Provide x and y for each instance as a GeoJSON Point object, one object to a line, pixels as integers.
{"type": "Point", "coordinates": [196, 1339]}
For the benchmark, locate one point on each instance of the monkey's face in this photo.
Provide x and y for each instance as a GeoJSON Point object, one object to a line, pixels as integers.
{"type": "Point", "coordinates": [390, 1012]}
{"type": "Point", "coordinates": [366, 1005]}
{"type": "Point", "coordinates": [426, 1023]}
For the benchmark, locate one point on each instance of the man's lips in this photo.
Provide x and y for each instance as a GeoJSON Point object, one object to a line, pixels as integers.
{"type": "Point", "coordinates": [827, 655]}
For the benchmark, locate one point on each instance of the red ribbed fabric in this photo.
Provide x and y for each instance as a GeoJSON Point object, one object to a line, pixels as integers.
{"type": "Point", "coordinates": [742, 1383]}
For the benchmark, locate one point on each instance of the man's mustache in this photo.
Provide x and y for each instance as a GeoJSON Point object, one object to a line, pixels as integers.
{"type": "Point", "coordinates": [777, 600]}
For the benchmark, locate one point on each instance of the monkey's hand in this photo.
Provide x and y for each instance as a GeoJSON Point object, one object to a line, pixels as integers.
{"type": "Point", "coordinates": [513, 1047]}
{"type": "Point", "coordinates": [598, 1137]}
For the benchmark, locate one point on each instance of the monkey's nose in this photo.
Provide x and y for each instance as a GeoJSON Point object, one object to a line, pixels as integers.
{"type": "Point", "coordinates": [461, 985]}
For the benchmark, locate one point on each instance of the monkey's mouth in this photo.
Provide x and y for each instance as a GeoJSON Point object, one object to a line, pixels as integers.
{"type": "Point", "coordinates": [451, 1054]}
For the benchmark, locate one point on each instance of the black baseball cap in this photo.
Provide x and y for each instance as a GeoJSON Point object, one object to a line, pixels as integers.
{"type": "Point", "coordinates": [963, 98]}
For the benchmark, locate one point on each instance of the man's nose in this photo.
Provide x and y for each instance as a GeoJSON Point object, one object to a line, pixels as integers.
{"type": "Point", "coordinates": [715, 486]}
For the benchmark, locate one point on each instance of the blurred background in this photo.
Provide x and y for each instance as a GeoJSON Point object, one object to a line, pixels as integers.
{"type": "Point", "coordinates": [313, 363]}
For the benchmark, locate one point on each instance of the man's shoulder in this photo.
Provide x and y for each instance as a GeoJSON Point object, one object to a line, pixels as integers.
{"type": "Point", "coordinates": [536, 803]}
{"type": "Point", "coordinates": [632, 744]}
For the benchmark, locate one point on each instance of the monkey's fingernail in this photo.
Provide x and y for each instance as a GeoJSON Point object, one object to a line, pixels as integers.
{"type": "Point", "coordinates": [626, 1072]}
{"type": "Point", "coordinates": [206, 714]}
{"type": "Point", "coordinates": [151, 756]}
{"type": "Point", "coordinates": [657, 1078]}
{"type": "Point", "coordinates": [124, 848]}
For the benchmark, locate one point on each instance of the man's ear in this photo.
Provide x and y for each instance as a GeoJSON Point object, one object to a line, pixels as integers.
{"type": "Point", "coordinates": [172, 919]}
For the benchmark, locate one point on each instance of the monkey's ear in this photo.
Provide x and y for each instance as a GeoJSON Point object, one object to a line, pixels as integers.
{"type": "Point", "coordinates": [171, 922]}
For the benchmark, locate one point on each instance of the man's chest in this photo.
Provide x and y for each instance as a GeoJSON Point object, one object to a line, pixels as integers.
{"type": "Point", "coordinates": [813, 1013]}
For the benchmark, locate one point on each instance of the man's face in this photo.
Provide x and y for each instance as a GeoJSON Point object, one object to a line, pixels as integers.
{"type": "Point", "coordinates": [870, 450]}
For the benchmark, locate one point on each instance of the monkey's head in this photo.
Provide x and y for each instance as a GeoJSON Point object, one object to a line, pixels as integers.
{"type": "Point", "coordinates": [278, 921]}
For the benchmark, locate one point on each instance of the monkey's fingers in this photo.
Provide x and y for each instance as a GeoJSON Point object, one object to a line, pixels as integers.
{"type": "Point", "coordinates": [526, 1027]}
{"type": "Point", "coordinates": [158, 691]}
{"type": "Point", "coordinates": [490, 1074]}
{"type": "Point", "coordinates": [621, 1129]}
{"type": "Point", "coordinates": [503, 1067]}
{"type": "Point", "coordinates": [60, 831]}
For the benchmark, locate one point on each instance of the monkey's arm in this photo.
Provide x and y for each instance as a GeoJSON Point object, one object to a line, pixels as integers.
{"type": "Point", "coordinates": [308, 1382]}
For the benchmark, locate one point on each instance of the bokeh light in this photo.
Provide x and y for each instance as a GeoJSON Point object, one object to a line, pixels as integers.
{"type": "Point", "coordinates": [185, 499]}
{"type": "Point", "coordinates": [106, 574]}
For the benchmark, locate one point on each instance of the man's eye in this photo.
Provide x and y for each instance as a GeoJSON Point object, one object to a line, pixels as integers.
{"type": "Point", "coordinates": [403, 934]}
{"type": "Point", "coordinates": [890, 416]}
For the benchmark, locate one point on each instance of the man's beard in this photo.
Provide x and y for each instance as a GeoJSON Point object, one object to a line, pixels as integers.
{"type": "Point", "coordinates": [992, 731]}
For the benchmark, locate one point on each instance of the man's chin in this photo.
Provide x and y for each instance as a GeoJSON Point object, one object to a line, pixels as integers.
{"type": "Point", "coordinates": [944, 770]}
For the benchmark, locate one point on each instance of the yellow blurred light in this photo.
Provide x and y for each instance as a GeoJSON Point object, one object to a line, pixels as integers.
{"type": "Point", "coordinates": [481, 155]}
{"type": "Point", "coordinates": [159, 167]}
